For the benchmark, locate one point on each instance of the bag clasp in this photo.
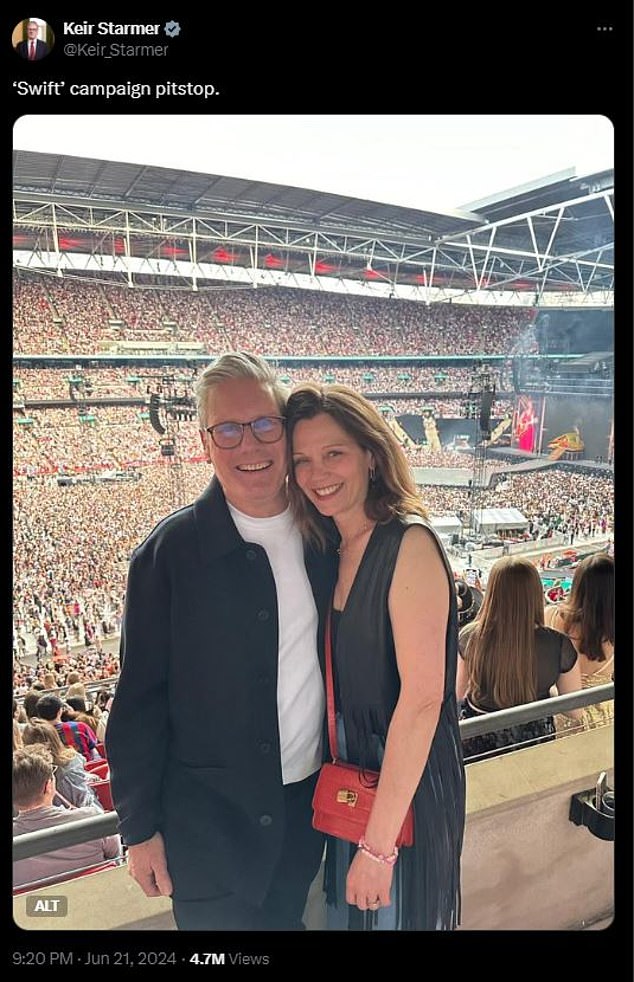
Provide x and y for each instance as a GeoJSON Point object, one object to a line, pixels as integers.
{"type": "Point", "coordinates": [347, 797]}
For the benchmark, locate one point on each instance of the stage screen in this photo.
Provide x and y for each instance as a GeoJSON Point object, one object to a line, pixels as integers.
{"type": "Point", "coordinates": [573, 421]}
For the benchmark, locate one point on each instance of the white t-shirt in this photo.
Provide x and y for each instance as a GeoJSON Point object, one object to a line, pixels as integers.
{"type": "Point", "coordinates": [300, 688]}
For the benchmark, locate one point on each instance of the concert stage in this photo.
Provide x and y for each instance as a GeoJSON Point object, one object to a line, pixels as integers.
{"type": "Point", "coordinates": [507, 461]}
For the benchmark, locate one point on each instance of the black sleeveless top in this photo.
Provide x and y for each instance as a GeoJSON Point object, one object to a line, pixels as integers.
{"type": "Point", "coordinates": [427, 875]}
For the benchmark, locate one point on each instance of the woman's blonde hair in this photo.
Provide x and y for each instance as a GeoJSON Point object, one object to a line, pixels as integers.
{"type": "Point", "coordinates": [41, 731]}
{"type": "Point", "coordinates": [500, 650]}
{"type": "Point", "coordinates": [391, 489]}
{"type": "Point", "coordinates": [77, 689]}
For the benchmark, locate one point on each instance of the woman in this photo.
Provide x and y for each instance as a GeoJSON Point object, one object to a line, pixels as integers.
{"type": "Point", "coordinates": [50, 680]}
{"type": "Point", "coordinates": [394, 637]}
{"type": "Point", "coordinates": [71, 779]}
{"type": "Point", "coordinates": [587, 617]}
{"type": "Point", "coordinates": [509, 658]}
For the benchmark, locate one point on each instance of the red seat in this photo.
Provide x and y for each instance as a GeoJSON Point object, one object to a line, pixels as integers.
{"type": "Point", "coordinates": [99, 767]}
{"type": "Point", "coordinates": [101, 750]}
{"type": "Point", "coordinates": [104, 794]}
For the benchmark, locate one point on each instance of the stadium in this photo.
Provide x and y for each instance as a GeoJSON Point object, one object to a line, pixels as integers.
{"type": "Point", "coordinates": [485, 338]}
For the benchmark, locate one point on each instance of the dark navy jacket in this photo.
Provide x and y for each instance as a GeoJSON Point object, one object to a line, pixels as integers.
{"type": "Point", "coordinates": [192, 738]}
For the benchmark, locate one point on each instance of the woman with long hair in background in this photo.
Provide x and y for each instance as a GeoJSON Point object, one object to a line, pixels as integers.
{"type": "Point", "coordinates": [587, 618]}
{"type": "Point", "coordinates": [509, 658]}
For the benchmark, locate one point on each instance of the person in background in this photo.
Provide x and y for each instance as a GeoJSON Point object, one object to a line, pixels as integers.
{"type": "Point", "coordinates": [394, 642]}
{"type": "Point", "coordinates": [469, 599]}
{"type": "Point", "coordinates": [73, 734]}
{"type": "Point", "coordinates": [508, 658]}
{"type": "Point", "coordinates": [19, 716]}
{"type": "Point", "coordinates": [72, 780]}
{"type": "Point", "coordinates": [587, 618]}
{"type": "Point", "coordinates": [104, 702]}
{"type": "Point", "coordinates": [30, 701]}
{"type": "Point", "coordinates": [78, 706]}
{"type": "Point", "coordinates": [33, 787]}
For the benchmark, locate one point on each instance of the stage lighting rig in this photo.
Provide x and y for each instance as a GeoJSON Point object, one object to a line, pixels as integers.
{"type": "Point", "coordinates": [170, 402]}
{"type": "Point", "coordinates": [478, 404]}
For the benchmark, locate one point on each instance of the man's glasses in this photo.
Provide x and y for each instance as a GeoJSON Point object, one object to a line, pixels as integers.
{"type": "Point", "coordinates": [266, 429]}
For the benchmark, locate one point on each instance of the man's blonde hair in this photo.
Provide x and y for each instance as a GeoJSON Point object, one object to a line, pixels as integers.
{"type": "Point", "coordinates": [32, 768]}
{"type": "Point", "coordinates": [232, 365]}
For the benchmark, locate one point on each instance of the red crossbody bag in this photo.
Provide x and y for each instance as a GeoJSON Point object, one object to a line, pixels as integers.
{"type": "Point", "coordinates": [344, 794]}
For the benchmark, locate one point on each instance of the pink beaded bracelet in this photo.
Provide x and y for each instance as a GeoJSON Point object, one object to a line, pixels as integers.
{"type": "Point", "coordinates": [378, 857]}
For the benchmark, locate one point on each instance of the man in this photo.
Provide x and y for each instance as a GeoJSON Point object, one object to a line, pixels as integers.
{"type": "Point", "coordinates": [72, 733]}
{"type": "Point", "coordinates": [32, 49]}
{"type": "Point", "coordinates": [33, 793]}
{"type": "Point", "coordinates": [215, 734]}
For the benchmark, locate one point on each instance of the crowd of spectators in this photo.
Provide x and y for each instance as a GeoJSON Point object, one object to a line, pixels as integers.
{"type": "Point", "coordinates": [87, 664]}
{"type": "Point", "coordinates": [63, 316]}
{"type": "Point", "coordinates": [368, 377]}
{"type": "Point", "coordinates": [97, 438]}
{"type": "Point", "coordinates": [554, 500]}
{"type": "Point", "coordinates": [70, 582]}
{"type": "Point", "coordinates": [59, 441]}
{"type": "Point", "coordinates": [52, 384]}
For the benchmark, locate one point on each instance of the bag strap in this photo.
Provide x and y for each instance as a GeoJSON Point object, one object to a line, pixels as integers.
{"type": "Point", "coordinates": [330, 687]}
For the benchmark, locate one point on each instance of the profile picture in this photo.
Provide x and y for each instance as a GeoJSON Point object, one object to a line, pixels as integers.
{"type": "Point", "coordinates": [33, 39]}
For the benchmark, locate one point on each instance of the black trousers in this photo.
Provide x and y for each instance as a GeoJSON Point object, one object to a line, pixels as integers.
{"type": "Point", "coordinates": [284, 903]}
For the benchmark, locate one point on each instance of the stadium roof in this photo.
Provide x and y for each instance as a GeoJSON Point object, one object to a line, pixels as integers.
{"type": "Point", "coordinates": [554, 234]}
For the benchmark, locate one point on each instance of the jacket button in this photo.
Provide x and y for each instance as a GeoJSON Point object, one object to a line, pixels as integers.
{"type": "Point", "coordinates": [265, 748]}
{"type": "Point", "coordinates": [266, 820]}
{"type": "Point", "coordinates": [250, 554]}
{"type": "Point", "coordinates": [263, 615]}
{"type": "Point", "coordinates": [263, 679]}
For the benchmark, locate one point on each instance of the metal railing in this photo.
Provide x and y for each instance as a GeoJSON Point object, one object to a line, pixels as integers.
{"type": "Point", "coordinates": [492, 722]}
{"type": "Point", "coordinates": [92, 688]}
{"type": "Point", "coordinates": [86, 829]}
